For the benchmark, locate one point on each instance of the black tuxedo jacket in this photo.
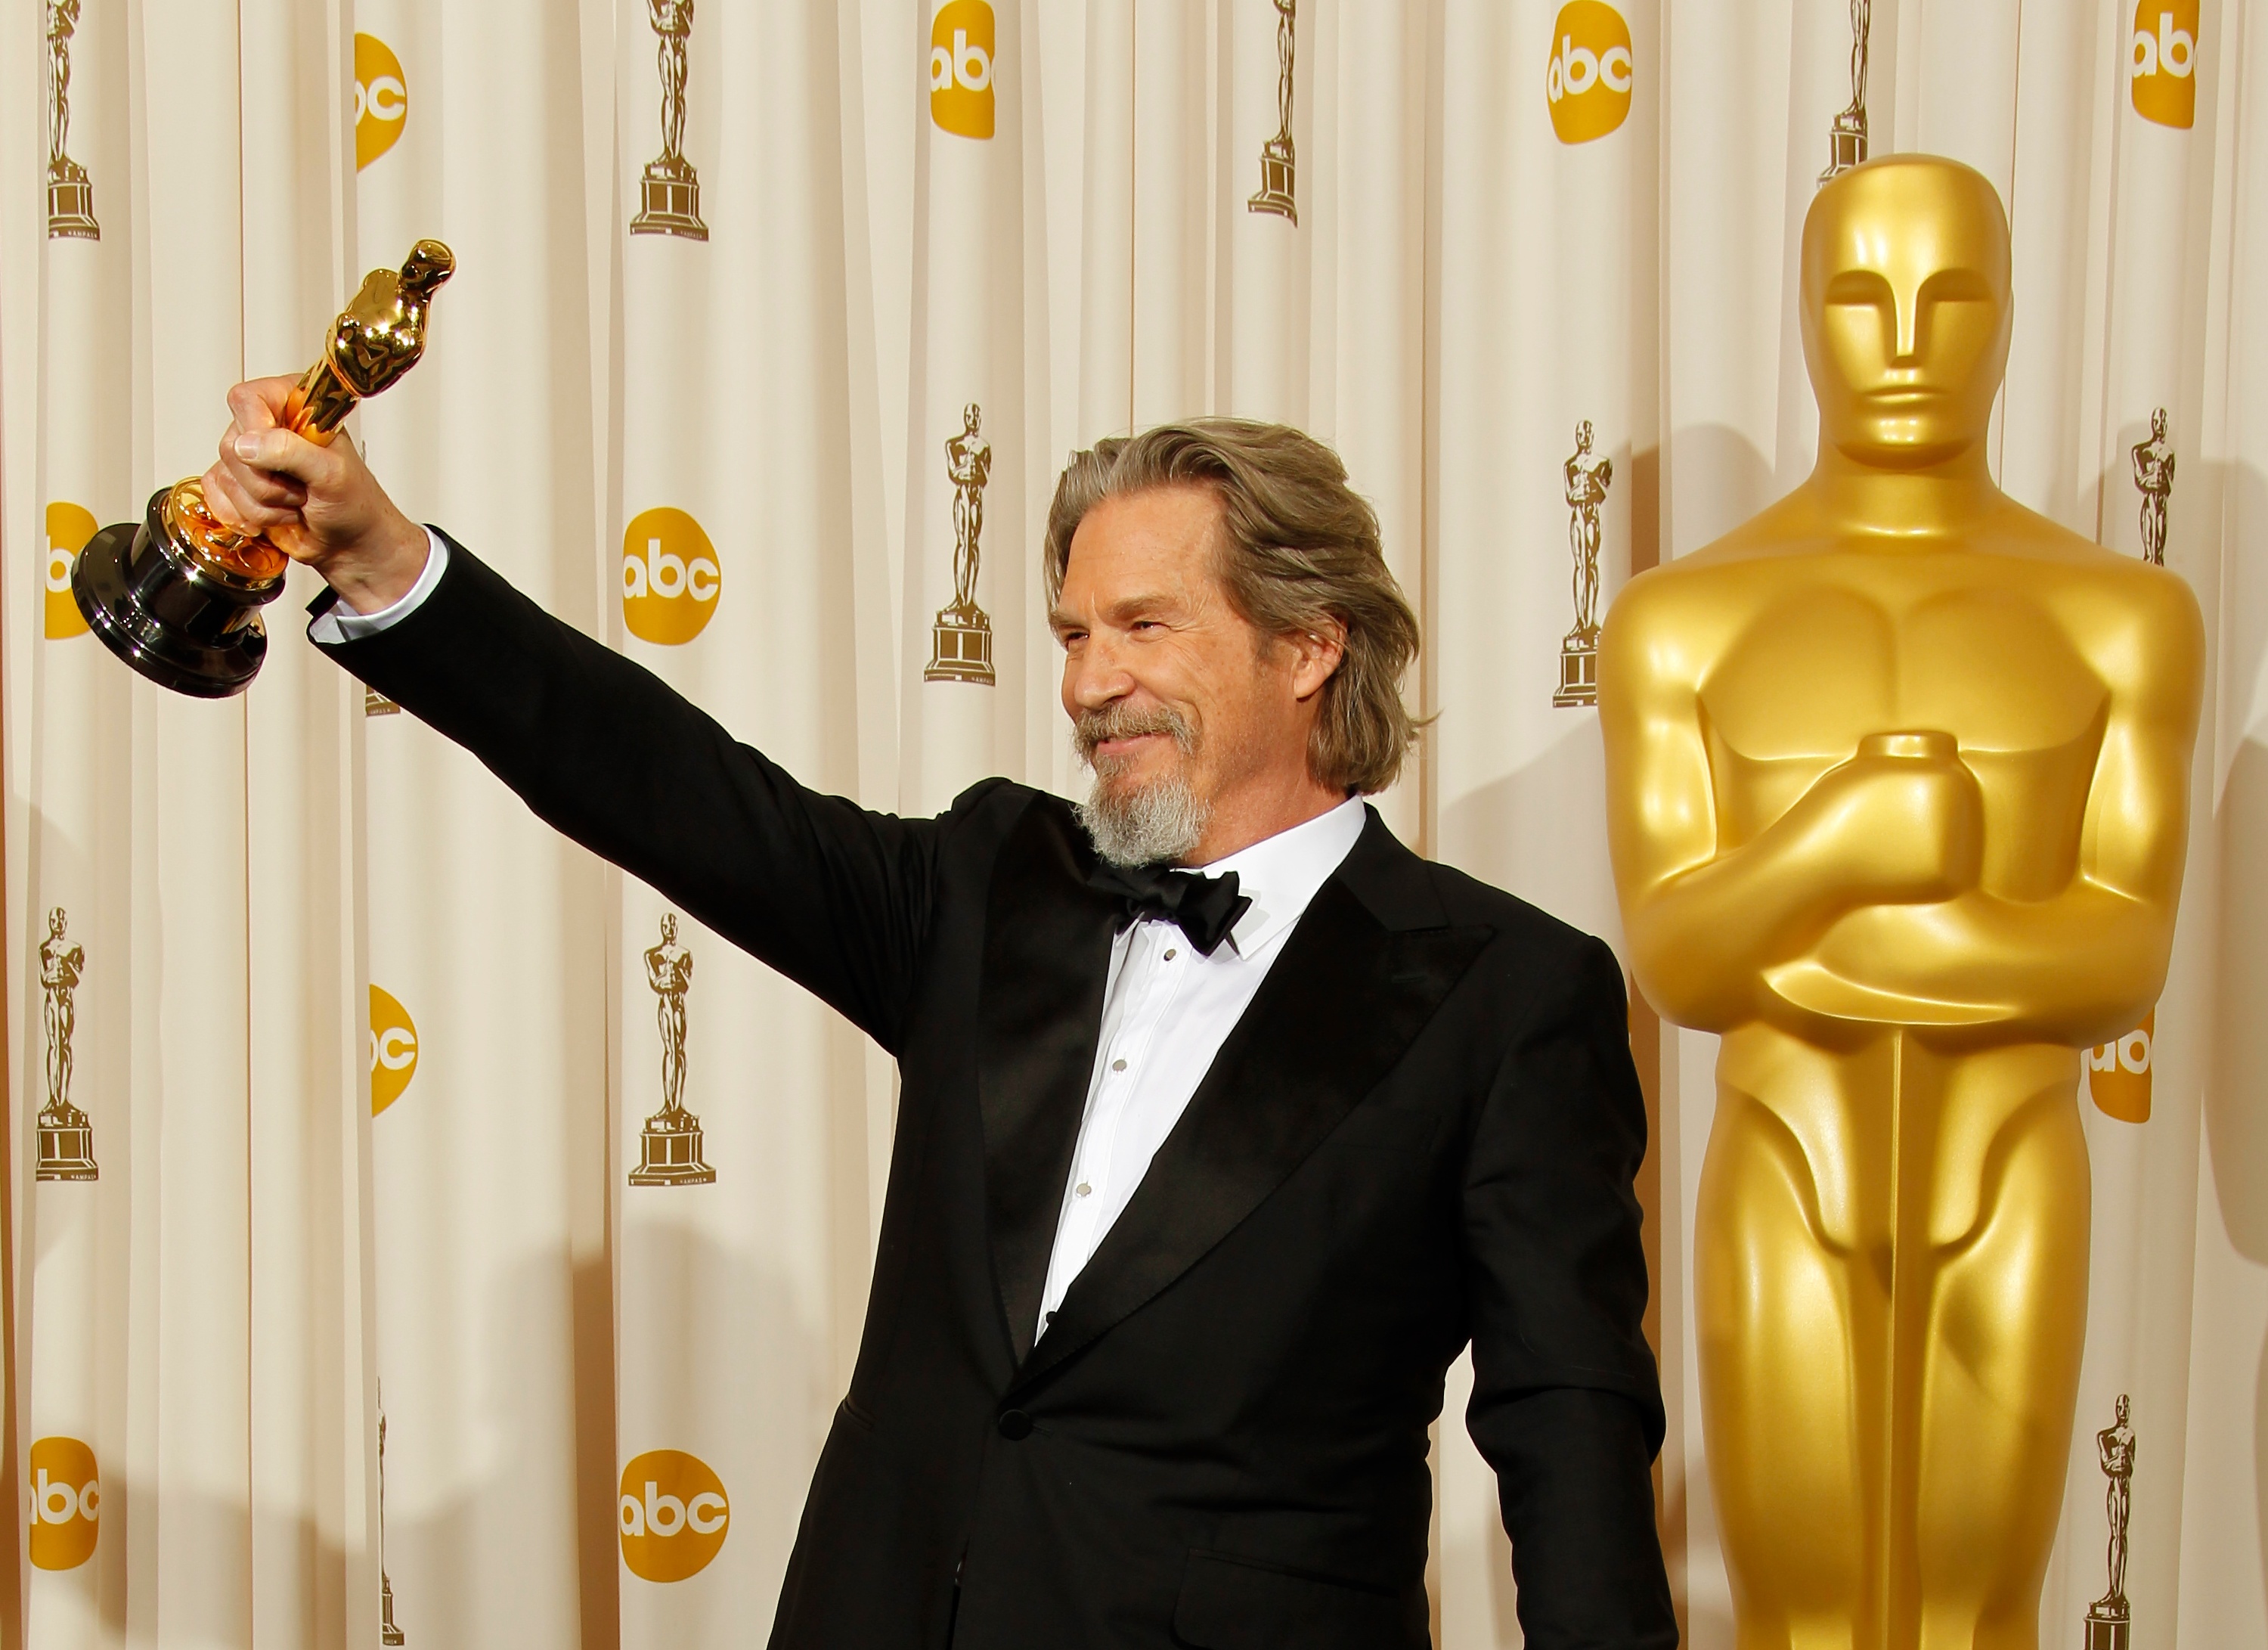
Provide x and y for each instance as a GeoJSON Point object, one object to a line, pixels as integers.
{"type": "Point", "coordinates": [1423, 1131]}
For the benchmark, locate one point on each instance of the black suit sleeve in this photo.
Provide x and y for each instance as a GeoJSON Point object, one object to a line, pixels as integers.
{"type": "Point", "coordinates": [1566, 1402]}
{"type": "Point", "coordinates": [834, 896]}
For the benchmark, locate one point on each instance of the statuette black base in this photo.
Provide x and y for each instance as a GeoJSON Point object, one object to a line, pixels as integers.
{"type": "Point", "coordinates": [172, 617]}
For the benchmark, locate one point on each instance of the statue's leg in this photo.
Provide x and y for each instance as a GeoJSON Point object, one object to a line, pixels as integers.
{"type": "Point", "coordinates": [1786, 1312]}
{"type": "Point", "coordinates": [2006, 1316]}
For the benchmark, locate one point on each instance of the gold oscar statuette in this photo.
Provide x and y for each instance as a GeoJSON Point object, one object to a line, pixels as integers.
{"type": "Point", "coordinates": [178, 595]}
{"type": "Point", "coordinates": [1898, 777]}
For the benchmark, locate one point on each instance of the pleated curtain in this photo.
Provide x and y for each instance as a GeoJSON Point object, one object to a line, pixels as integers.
{"type": "Point", "coordinates": [773, 326]}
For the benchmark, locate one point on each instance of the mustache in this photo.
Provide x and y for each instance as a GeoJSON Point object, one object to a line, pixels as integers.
{"type": "Point", "coordinates": [1127, 721]}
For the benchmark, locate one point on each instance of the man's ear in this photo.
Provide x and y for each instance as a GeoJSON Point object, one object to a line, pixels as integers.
{"type": "Point", "coordinates": [1317, 655]}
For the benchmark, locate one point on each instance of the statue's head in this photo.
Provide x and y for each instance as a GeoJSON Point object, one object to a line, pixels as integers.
{"type": "Point", "coordinates": [1905, 309]}
{"type": "Point", "coordinates": [2157, 424]}
{"type": "Point", "coordinates": [429, 263]}
{"type": "Point", "coordinates": [970, 417]}
{"type": "Point", "coordinates": [2122, 1408]}
{"type": "Point", "coordinates": [669, 928]}
{"type": "Point", "coordinates": [56, 920]}
{"type": "Point", "coordinates": [1583, 437]}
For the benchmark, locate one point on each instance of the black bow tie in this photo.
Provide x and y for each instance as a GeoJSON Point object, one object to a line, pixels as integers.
{"type": "Point", "coordinates": [1205, 908]}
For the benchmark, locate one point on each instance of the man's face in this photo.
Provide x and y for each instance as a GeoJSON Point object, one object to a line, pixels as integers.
{"type": "Point", "coordinates": [1163, 681]}
{"type": "Point", "coordinates": [1905, 310]}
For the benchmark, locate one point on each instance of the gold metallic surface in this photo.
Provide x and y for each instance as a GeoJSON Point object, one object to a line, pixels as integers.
{"type": "Point", "coordinates": [377, 339]}
{"type": "Point", "coordinates": [1898, 777]}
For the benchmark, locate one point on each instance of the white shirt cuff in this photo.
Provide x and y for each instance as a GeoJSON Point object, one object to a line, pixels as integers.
{"type": "Point", "coordinates": [343, 623]}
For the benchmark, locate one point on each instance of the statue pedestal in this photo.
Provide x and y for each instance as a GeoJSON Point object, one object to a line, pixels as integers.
{"type": "Point", "coordinates": [669, 202]}
{"type": "Point", "coordinates": [669, 1153]}
{"type": "Point", "coordinates": [1276, 175]}
{"type": "Point", "coordinates": [66, 1148]}
{"type": "Point", "coordinates": [71, 204]}
{"type": "Point", "coordinates": [961, 648]}
{"type": "Point", "coordinates": [1579, 671]}
{"type": "Point", "coordinates": [2104, 1630]}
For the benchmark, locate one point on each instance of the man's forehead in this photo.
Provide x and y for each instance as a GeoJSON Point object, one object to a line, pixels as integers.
{"type": "Point", "coordinates": [1158, 528]}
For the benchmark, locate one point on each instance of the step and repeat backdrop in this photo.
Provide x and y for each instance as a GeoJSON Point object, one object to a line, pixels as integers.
{"type": "Point", "coordinates": [418, 1233]}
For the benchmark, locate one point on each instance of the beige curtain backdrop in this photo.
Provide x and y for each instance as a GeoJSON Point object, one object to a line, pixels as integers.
{"type": "Point", "coordinates": [774, 324]}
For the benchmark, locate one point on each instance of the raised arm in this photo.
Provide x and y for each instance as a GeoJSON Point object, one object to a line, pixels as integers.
{"type": "Point", "coordinates": [835, 898]}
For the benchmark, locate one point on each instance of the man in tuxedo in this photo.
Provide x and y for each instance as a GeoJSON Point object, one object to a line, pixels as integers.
{"type": "Point", "coordinates": [1226, 1121]}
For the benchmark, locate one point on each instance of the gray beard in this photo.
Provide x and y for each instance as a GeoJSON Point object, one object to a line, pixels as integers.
{"type": "Point", "coordinates": [1160, 824]}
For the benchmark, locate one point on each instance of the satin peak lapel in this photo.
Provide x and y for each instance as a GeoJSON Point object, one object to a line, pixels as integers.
{"type": "Point", "coordinates": [1334, 1015]}
{"type": "Point", "coordinates": [1046, 959]}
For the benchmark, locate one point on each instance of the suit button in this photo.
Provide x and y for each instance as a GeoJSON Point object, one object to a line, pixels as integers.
{"type": "Point", "coordinates": [1015, 1426]}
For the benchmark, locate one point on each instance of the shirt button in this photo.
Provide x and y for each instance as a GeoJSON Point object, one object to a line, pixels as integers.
{"type": "Point", "coordinates": [1118, 1065]}
{"type": "Point", "coordinates": [1083, 1189]}
{"type": "Point", "coordinates": [1015, 1426]}
{"type": "Point", "coordinates": [1170, 955]}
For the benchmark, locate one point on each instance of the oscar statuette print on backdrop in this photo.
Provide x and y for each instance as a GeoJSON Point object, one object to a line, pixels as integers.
{"type": "Point", "coordinates": [962, 647]}
{"type": "Point", "coordinates": [70, 193]}
{"type": "Point", "coordinates": [1278, 192]}
{"type": "Point", "coordinates": [1589, 477]}
{"type": "Point", "coordinates": [669, 190]}
{"type": "Point", "coordinates": [669, 1146]}
{"type": "Point", "coordinates": [1846, 139]}
{"type": "Point", "coordinates": [66, 1134]}
{"type": "Point", "coordinates": [2109, 1619]}
{"type": "Point", "coordinates": [1897, 783]}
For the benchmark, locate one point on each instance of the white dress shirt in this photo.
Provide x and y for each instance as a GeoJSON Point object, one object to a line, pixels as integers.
{"type": "Point", "coordinates": [1166, 1012]}
{"type": "Point", "coordinates": [1166, 1009]}
{"type": "Point", "coordinates": [340, 622]}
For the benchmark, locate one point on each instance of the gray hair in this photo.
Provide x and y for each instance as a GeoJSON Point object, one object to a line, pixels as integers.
{"type": "Point", "coordinates": [1299, 549]}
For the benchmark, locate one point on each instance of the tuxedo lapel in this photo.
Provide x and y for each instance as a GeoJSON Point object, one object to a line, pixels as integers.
{"type": "Point", "coordinates": [1046, 959]}
{"type": "Point", "coordinates": [1349, 994]}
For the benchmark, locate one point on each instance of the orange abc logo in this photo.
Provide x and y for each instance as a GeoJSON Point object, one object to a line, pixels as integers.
{"type": "Point", "coordinates": [1588, 84]}
{"type": "Point", "coordinates": [670, 577]}
{"type": "Point", "coordinates": [2163, 69]}
{"type": "Point", "coordinates": [381, 99]}
{"type": "Point", "coordinates": [66, 1495]}
{"type": "Point", "coordinates": [69, 528]}
{"type": "Point", "coordinates": [672, 1515]}
{"type": "Point", "coordinates": [961, 67]}
{"type": "Point", "coordinates": [2118, 1072]}
{"type": "Point", "coordinates": [392, 1049]}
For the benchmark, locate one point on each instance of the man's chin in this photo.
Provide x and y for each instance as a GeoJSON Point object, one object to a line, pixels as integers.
{"type": "Point", "coordinates": [1143, 819]}
{"type": "Point", "coordinates": [1123, 780]}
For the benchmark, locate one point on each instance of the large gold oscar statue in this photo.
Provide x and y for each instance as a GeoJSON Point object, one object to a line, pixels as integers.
{"type": "Point", "coordinates": [1897, 780]}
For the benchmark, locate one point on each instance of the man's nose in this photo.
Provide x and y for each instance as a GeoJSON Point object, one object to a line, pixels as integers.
{"type": "Point", "coordinates": [1097, 677]}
